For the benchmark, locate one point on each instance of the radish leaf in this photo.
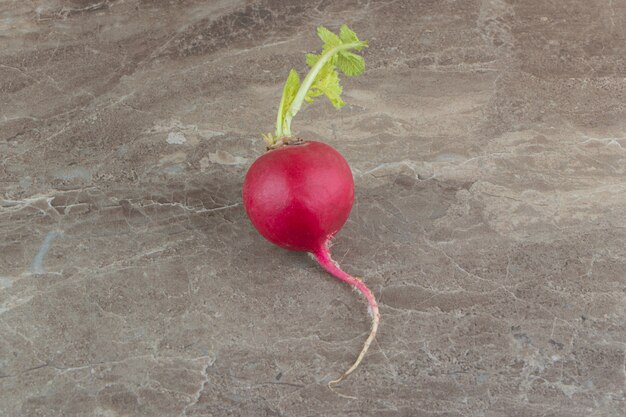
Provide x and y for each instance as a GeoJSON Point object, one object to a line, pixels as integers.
{"type": "Point", "coordinates": [329, 38]}
{"type": "Point", "coordinates": [327, 83]}
{"type": "Point", "coordinates": [350, 64]}
{"type": "Point", "coordinates": [322, 79]}
{"type": "Point", "coordinates": [348, 36]}
{"type": "Point", "coordinates": [289, 93]}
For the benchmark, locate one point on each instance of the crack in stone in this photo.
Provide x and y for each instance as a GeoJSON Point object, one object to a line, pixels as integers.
{"type": "Point", "coordinates": [196, 397]}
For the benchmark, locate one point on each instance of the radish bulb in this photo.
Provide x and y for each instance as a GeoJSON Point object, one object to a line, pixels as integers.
{"type": "Point", "coordinates": [299, 194]}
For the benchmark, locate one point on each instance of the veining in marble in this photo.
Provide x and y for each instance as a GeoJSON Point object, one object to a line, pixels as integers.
{"type": "Point", "coordinates": [488, 144]}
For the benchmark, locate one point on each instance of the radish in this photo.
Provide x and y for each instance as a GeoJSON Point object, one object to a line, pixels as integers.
{"type": "Point", "coordinates": [299, 194]}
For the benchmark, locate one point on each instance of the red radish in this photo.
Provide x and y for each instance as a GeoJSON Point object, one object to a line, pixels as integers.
{"type": "Point", "coordinates": [299, 194]}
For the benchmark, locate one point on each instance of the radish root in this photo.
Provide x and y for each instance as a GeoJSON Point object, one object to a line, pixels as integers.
{"type": "Point", "coordinates": [324, 259]}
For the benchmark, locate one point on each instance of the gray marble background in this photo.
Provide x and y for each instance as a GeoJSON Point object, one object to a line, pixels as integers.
{"type": "Point", "coordinates": [488, 145]}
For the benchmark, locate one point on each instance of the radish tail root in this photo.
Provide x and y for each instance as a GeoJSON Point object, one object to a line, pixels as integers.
{"type": "Point", "coordinates": [323, 257]}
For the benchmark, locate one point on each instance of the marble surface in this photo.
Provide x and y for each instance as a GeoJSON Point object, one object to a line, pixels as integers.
{"type": "Point", "coordinates": [488, 145]}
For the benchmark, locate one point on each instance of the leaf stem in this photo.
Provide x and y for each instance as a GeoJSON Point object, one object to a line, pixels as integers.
{"type": "Point", "coordinates": [285, 130]}
{"type": "Point", "coordinates": [279, 132]}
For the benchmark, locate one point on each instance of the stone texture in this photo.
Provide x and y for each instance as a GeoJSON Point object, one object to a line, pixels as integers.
{"type": "Point", "coordinates": [488, 144]}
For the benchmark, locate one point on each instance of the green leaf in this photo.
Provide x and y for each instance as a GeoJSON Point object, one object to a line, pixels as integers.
{"type": "Point", "coordinates": [311, 59]}
{"type": "Point", "coordinates": [323, 78]}
{"type": "Point", "coordinates": [350, 63]}
{"type": "Point", "coordinates": [327, 80]}
{"type": "Point", "coordinates": [348, 36]}
{"type": "Point", "coordinates": [289, 93]}
{"type": "Point", "coordinates": [329, 38]}
{"type": "Point", "coordinates": [291, 86]}
{"type": "Point", "coordinates": [327, 83]}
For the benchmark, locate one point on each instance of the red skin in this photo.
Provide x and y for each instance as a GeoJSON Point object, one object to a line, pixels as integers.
{"type": "Point", "coordinates": [298, 196]}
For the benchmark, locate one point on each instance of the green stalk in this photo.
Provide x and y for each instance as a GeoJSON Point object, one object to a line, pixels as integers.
{"type": "Point", "coordinates": [279, 132]}
{"type": "Point", "coordinates": [285, 131]}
